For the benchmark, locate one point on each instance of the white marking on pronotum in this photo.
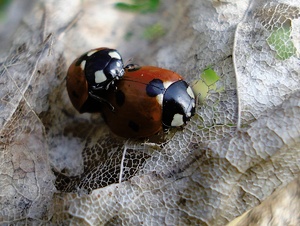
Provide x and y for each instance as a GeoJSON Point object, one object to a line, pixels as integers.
{"type": "Point", "coordinates": [82, 65]}
{"type": "Point", "coordinates": [167, 84]}
{"type": "Point", "coordinates": [100, 77]}
{"type": "Point", "coordinates": [159, 98]}
{"type": "Point", "coordinates": [177, 120]}
{"type": "Point", "coordinates": [91, 52]}
{"type": "Point", "coordinates": [115, 55]}
{"type": "Point", "coordinates": [190, 92]}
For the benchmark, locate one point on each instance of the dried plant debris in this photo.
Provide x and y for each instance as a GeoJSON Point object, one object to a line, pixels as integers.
{"type": "Point", "coordinates": [275, 15]}
{"type": "Point", "coordinates": [105, 163]}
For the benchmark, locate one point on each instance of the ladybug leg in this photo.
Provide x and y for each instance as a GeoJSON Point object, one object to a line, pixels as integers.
{"type": "Point", "coordinates": [106, 87]}
{"type": "Point", "coordinates": [102, 100]}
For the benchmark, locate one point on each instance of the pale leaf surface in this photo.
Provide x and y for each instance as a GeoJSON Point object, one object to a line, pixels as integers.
{"type": "Point", "coordinates": [59, 167]}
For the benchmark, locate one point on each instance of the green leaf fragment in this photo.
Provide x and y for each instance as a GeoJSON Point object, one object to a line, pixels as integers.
{"type": "Point", "coordinates": [3, 6]}
{"type": "Point", "coordinates": [209, 76]}
{"type": "Point", "coordinates": [128, 35]}
{"type": "Point", "coordinates": [280, 41]}
{"type": "Point", "coordinates": [153, 32]}
{"type": "Point", "coordinates": [200, 89]}
{"type": "Point", "coordinates": [128, 7]}
{"type": "Point", "coordinates": [207, 82]}
{"type": "Point", "coordinates": [141, 6]}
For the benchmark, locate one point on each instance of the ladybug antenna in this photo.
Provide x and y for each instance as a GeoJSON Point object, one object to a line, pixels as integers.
{"type": "Point", "coordinates": [128, 61]}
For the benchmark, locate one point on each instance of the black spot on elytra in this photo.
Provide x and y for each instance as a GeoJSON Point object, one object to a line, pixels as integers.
{"type": "Point", "coordinates": [155, 87]}
{"type": "Point", "coordinates": [120, 98]}
{"type": "Point", "coordinates": [132, 125]}
{"type": "Point", "coordinates": [74, 94]}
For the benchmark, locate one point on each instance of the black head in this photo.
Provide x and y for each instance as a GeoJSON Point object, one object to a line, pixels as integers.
{"type": "Point", "coordinates": [178, 104]}
{"type": "Point", "coordinates": [102, 67]}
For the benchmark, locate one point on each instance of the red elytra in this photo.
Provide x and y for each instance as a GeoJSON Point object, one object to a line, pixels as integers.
{"type": "Point", "coordinates": [136, 114]}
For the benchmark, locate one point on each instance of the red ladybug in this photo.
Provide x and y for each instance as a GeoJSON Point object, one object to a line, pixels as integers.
{"type": "Point", "coordinates": [146, 101]}
{"type": "Point", "coordinates": [91, 74]}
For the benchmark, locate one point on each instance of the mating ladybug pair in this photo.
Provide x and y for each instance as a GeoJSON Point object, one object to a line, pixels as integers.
{"type": "Point", "coordinates": [135, 102]}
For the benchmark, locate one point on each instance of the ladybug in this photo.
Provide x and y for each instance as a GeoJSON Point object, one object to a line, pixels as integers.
{"type": "Point", "coordinates": [91, 74]}
{"type": "Point", "coordinates": [148, 100]}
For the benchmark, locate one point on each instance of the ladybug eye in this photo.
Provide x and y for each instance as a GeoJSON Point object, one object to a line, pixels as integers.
{"type": "Point", "coordinates": [114, 70]}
